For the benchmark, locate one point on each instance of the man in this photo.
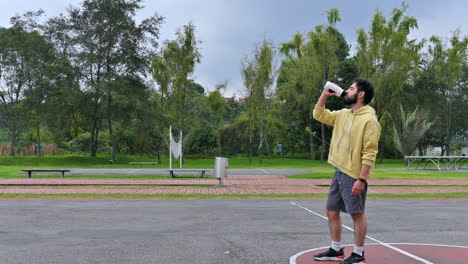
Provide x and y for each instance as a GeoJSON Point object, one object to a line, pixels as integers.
{"type": "Point", "coordinates": [353, 149]}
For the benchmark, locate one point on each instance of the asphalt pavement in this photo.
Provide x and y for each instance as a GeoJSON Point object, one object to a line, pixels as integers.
{"type": "Point", "coordinates": [206, 231]}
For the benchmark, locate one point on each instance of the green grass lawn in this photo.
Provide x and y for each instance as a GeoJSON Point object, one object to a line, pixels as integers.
{"type": "Point", "coordinates": [10, 166]}
{"type": "Point", "coordinates": [386, 173]}
{"type": "Point", "coordinates": [102, 161]}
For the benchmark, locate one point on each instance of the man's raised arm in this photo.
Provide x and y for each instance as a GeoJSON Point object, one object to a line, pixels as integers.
{"type": "Point", "coordinates": [320, 113]}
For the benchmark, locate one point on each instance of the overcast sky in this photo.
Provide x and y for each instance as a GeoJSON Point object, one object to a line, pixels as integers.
{"type": "Point", "coordinates": [230, 29]}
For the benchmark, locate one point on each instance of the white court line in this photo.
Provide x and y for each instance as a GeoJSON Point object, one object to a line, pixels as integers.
{"type": "Point", "coordinates": [378, 241]}
{"type": "Point", "coordinates": [436, 245]}
{"type": "Point", "coordinates": [292, 260]}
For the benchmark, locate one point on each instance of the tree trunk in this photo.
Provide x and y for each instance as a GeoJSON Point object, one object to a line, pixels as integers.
{"type": "Point", "coordinates": [448, 114]}
{"type": "Point", "coordinates": [94, 140]}
{"type": "Point", "coordinates": [218, 139]}
{"type": "Point", "coordinates": [268, 148]}
{"type": "Point", "coordinates": [396, 153]}
{"type": "Point", "coordinates": [293, 150]}
{"type": "Point", "coordinates": [250, 142]}
{"type": "Point", "coordinates": [111, 132]}
{"type": "Point", "coordinates": [311, 143]}
{"type": "Point", "coordinates": [382, 149]}
{"type": "Point", "coordinates": [13, 142]}
{"type": "Point", "coordinates": [182, 123]}
{"type": "Point", "coordinates": [322, 151]}
{"type": "Point", "coordinates": [181, 139]}
{"type": "Point", "coordinates": [91, 142]}
{"type": "Point", "coordinates": [114, 143]}
{"type": "Point", "coordinates": [261, 142]}
{"type": "Point", "coordinates": [39, 147]}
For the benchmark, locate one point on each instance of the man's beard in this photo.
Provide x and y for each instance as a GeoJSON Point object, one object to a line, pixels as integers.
{"type": "Point", "coordinates": [347, 100]}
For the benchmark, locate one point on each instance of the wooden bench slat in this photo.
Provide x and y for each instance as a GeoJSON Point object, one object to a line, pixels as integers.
{"type": "Point", "coordinates": [188, 169]}
{"type": "Point", "coordinates": [143, 162]}
{"type": "Point", "coordinates": [46, 170]}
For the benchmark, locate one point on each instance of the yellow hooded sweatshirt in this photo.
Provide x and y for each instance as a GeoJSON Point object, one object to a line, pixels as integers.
{"type": "Point", "coordinates": [355, 138]}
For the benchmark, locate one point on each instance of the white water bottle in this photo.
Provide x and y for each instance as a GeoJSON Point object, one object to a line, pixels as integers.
{"type": "Point", "coordinates": [333, 88]}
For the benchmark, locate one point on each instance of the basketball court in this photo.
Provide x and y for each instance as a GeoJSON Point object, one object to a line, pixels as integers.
{"type": "Point", "coordinates": [387, 253]}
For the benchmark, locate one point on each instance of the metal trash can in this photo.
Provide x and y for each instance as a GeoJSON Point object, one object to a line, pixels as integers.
{"type": "Point", "coordinates": [221, 169]}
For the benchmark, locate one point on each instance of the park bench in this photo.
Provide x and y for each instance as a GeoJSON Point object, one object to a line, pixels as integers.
{"type": "Point", "coordinates": [202, 171]}
{"type": "Point", "coordinates": [29, 171]}
{"type": "Point", "coordinates": [142, 163]}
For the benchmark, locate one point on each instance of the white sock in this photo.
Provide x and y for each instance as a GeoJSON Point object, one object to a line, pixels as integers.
{"type": "Point", "coordinates": [336, 245]}
{"type": "Point", "coordinates": [358, 250]}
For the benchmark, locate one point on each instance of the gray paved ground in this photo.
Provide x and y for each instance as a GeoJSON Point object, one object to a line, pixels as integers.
{"type": "Point", "coordinates": [129, 171]}
{"type": "Point", "coordinates": [204, 231]}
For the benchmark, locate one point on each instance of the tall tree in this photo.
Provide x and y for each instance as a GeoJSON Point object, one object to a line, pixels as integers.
{"type": "Point", "coordinates": [259, 74]}
{"type": "Point", "coordinates": [308, 66]}
{"type": "Point", "coordinates": [109, 44]}
{"type": "Point", "coordinates": [460, 101]}
{"type": "Point", "coordinates": [248, 76]}
{"type": "Point", "coordinates": [218, 106]}
{"type": "Point", "coordinates": [172, 69]}
{"type": "Point", "coordinates": [26, 59]}
{"type": "Point", "coordinates": [62, 106]}
{"type": "Point", "coordinates": [424, 93]}
{"type": "Point", "coordinates": [447, 63]}
{"type": "Point", "coordinates": [387, 58]}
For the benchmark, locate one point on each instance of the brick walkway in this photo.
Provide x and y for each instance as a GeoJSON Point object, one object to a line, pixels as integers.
{"type": "Point", "coordinates": [232, 185]}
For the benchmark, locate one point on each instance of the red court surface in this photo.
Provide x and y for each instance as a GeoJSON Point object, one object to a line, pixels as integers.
{"type": "Point", "coordinates": [380, 254]}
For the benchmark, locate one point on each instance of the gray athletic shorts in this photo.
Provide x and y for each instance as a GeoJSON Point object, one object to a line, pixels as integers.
{"type": "Point", "coordinates": [340, 198]}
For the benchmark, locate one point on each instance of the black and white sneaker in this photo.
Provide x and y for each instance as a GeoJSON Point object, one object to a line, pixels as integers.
{"type": "Point", "coordinates": [354, 259]}
{"type": "Point", "coordinates": [330, 254]}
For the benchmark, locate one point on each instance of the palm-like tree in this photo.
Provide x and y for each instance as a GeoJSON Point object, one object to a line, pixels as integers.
{"type": "Point", "coordinates": [408, 129]}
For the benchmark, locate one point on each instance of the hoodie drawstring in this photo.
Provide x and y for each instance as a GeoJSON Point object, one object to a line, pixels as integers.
{"type": "Point", "coordinates": [349, 133]}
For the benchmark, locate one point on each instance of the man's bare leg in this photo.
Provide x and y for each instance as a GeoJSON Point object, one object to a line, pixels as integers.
{"type": "Point", "coordinates": [334, 223]}
{"type": "Point", "coordinates": [336, 252]}
{"type": "Point", "coordinates": [360, 229]}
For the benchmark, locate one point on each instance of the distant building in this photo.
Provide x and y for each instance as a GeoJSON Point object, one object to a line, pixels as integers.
{"type": "Point", "coordinates": [241, 101]}
{"type": "Point", "coordinates": [434, 151]}
{"type": "Point", "coordinates": [464, 150]}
